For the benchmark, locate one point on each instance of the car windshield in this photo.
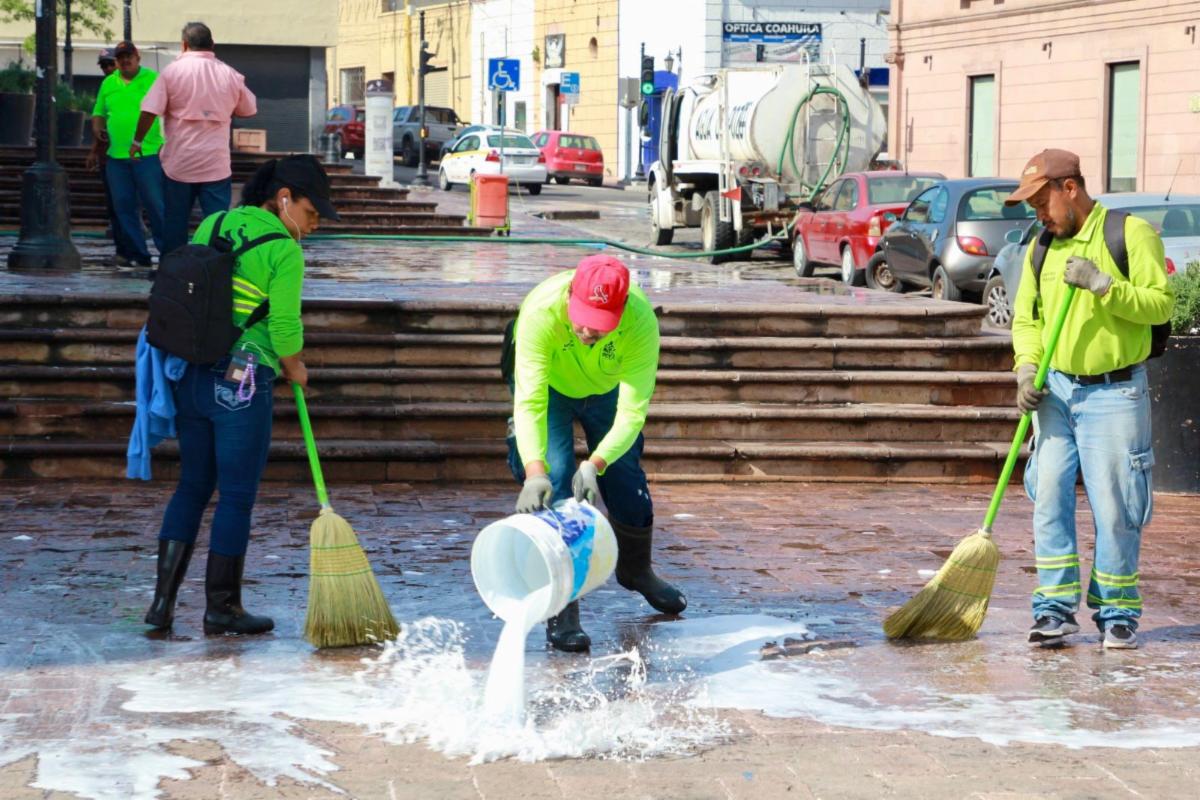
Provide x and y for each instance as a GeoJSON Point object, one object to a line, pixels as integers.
{"type": "Point", "coordinates": [897, 190]}
{"type": "Point", "coordinates": [581, 142]}
{"type": "Point", "coordinates": [442, 116]}
{"type": "Point", "coordinates": [510, 140]}
{"type": "Point", "coordinates": [338, 114]}
{"type": "Point", "coordinates": [360, 115]}
{"type": "Point", "coordinates": [982, 205]}
{"type": "Point", "coordinates": [1172, 221]}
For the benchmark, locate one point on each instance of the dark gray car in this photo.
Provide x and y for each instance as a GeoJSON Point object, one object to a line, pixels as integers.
{"type": "Point", "coordinates": [947, 238]}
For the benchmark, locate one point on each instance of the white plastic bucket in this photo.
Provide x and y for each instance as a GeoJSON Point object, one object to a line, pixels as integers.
{"type": "Point", "coordinates": [558, 555]}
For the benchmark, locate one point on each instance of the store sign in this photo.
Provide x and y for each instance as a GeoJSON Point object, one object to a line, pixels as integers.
{"type": "Point", "coordinates": [556, 51]}
{"type": "Point", "coordinates": [771, 42]}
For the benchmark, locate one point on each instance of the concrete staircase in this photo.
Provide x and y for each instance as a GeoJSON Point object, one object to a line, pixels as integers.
{"type": "Point", "coordinates": [409, 390]}
{"type": "Point", "coordinates": [365, 206]}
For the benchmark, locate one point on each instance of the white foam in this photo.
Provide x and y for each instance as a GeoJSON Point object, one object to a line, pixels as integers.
{"type": "Point", "coordinates": [22, 538]}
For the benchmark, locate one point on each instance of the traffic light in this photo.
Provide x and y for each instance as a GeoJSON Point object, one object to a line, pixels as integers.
{"type": "Point", "coordinates": [426, 57]}
{"type": "Point", "coordinates": [647, 76]}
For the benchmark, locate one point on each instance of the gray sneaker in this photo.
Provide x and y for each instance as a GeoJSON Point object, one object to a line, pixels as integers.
{"type": "Point", "coordinates": [1052, 629]}
{"type": "Point", "coordinates": [1120, 637]}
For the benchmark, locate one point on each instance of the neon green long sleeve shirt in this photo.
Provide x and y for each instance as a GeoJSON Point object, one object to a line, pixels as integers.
{"type": "Point", "coordinates": [273, 270]}
{"type": "Point", "coordinates": [1101, 334]}
{"type": "Point", "coordinates": [550, 355]}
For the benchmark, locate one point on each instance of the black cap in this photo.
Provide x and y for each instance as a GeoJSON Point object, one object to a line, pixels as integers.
{"type": "Point", "coordinates": [106, 54]}
{"type": "Point", "coordinates": [305, 174]}
{"type": "Point", "coordinates": [125, 47]}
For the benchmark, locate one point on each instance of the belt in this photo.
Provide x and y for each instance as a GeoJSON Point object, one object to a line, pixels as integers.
{"type": "Point", "coordinates": [1116, 376]}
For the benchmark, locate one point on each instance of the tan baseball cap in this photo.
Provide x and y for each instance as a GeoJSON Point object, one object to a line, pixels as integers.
{"type": "Point", "coordinates": [1041, 169]}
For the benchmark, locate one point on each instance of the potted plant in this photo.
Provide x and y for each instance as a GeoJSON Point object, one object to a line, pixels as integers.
{"type": "Point", "coordinates": [72, 113]}
{"type": "Point", "coordinates": [1174, 387]}
{"type": "Point", "coordinates": [16, 104]}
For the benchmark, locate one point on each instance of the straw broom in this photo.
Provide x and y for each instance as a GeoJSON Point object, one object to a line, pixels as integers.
{"type": "Point", "coordinates": [953, 604]}
{"type": "Point", "coordinates": [345, 604]}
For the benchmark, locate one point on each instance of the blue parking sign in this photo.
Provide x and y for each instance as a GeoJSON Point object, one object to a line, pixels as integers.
{"type": "Point", "coordinates": [569, 83]}
{"type": "Point", "coordinates": [504, 74]}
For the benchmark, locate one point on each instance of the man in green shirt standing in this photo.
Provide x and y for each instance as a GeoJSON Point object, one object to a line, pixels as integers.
{"type": "Point", "coordinates": [1093, 415]}
{"type": "Point", "coordinates": [586, 349]}
{"type": "Point", "coordinates": [135, 183]}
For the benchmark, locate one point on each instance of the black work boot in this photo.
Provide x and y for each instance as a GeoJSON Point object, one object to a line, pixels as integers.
{"type": "Point", "coordinates": [634, 571]}
{"type": "Point", "coordinates": [173, 558]}
{"type": "Point", "coordinates": [564, 632]}
{"type": "Point", "coordinates": [223, 589]}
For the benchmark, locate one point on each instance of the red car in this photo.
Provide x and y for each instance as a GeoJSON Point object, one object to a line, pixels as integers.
{"type": "Point", "coordinates": [571, 155]}
{"type": "Point", "coordinates": [349, 123]}
{"type": "Point", "coordinates": [842, 225]}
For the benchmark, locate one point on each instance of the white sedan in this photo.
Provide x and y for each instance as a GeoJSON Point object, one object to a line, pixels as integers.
{"type": "Point", "coordinates": [491, 152]}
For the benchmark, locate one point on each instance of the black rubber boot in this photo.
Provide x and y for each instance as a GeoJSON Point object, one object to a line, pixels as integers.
{"type": "Point", "coordinates": [223, 589]}
{"type": "Point", "coordinates": [564, 632]}
{"type": "Point", "coordinates": [634, 571]}
{"type": "Point", "coordinates": [173, 558]}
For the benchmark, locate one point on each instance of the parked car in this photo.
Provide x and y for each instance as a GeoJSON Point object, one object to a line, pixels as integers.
{"type": "Point", "coordinates": [441, 125]}
{"type": "Point", "coordinates": [571, 155]}
{"type": "Point", "coordinates": [842, 225]}
{"type": "Point", "coordinates": [449, 145]}
{"type": "Point", "coordinates": [1177, 220]}
{"type": "Point", "coordinates": [947, 238]}
{"type": "Point", "coordinates": [482, 152]}
{"type": "Point", "coordinates": [347, 122]}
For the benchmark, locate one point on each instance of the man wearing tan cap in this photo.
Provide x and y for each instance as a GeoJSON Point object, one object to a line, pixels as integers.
{"type": "Point", "coordinates": [1093, 415]}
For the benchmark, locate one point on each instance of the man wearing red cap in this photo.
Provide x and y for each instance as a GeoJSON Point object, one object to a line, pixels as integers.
{"type": "Point", "coordinates": [586, 349]}
{"type": "Point", "coordinates": [1093, 415]}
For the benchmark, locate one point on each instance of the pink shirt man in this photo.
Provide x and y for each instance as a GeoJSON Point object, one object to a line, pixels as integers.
{"type": "Point", "coordinates": [196, 97]}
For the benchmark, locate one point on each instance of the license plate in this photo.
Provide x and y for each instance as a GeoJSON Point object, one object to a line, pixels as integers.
{"type": "Point", "coordinates": [520, 160]}
{"type": "Point", "coordinates": [581, 167]}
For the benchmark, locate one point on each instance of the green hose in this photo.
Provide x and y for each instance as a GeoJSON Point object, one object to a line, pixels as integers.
{"type": "Point", "coordinates": [843, 137]}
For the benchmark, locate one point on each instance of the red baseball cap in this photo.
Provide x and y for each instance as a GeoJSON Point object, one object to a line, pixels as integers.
{"type": "Point", "coordinates": [598, 293]}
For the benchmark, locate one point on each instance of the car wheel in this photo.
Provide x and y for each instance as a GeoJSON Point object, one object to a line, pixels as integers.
{"type": "Point", "coordinates": [880, 276]}
{"type": "Point", "coordinates": [595, 183]}
{"type": "Point", "coordinates": [561, 180]}
{"type": "Point", "coordinates": [715, 235]}
{"type": "Point", "coordinates": [444, 180]}
{"type": "Point", "coordinates": [800, 262]}
{"type": "Point", "coordinates": [660, 236]}
{"type": "Point", "coordinates": [534, 188]}
{"type": "Point", "coordinates": [943, 287]}
{"type": "Point", "coordinates": [995, 297]}
{"type": "Point", "coordinates": [851, 275]}
{"type": "Point", "coordinates": [409, 152]}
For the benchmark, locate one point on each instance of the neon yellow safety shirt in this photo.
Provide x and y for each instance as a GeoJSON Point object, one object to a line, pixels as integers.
{"type": "Point", "coordinates": [1101, 334]}
{"type": "Point", "coordinates": [120, 103]}
{"type": "Point", "coordinates": [549, 354]}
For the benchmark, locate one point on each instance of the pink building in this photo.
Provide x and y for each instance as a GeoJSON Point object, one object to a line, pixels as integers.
{"type": "Point", "coordinates": [979, 86]}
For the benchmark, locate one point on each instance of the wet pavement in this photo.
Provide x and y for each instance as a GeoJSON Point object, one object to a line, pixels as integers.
{"type": "Point", "coordinates": [91, 706]}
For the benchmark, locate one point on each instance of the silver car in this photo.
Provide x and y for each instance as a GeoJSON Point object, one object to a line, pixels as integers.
{"type": "Point", "coordinates": [1176, 218]}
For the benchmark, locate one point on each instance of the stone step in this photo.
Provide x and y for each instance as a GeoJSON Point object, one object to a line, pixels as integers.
{"type": "Point", "coordinates": [25, 155]}
{"type": "Point", "coordinates": [350, 461]}
{"type": "Point", "coordinates": [456, 421]}
{"type": "Point", "coordinates": [414, 385]}
{"type": "Point", "coordinates": [90, 205]}
{"type": "Point", "coordinates": [385, 221]}
{"type": "Point", "coordinates": [91, 187]}
{"type": "Point", "coordinates": [88, 344]}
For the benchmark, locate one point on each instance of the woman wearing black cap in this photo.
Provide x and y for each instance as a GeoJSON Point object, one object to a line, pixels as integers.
{"type": "Point", "coordinates": [223, 410]}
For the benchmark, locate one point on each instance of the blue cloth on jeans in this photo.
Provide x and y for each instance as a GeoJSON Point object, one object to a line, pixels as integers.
{"type": "Point", "coordinates": [223, 443]}
{"type": "Point", "coordinates": [178, 200]}
{"type": "Point", "coordinates": [136, 184]}
{"type": "Point", "coordinates": [156, 373]}
{"type": "Point", "coordinates": [1102, 430]}
{"type": "Point", "coordinates": [622, 486]}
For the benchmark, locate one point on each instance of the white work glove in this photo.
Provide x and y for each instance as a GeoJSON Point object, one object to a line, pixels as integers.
{"type": "Point", "coordinates": [585, 484]}
{"type": "Point", "coordinates": [535, 495]}
{"type": "Point", "coordinates": [1028, 397]}
{"type": "Point", "coordinates": [1086, 275]}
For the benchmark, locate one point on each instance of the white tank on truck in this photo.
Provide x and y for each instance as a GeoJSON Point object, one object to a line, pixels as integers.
{"type": "Point", "coordinates": [740, 147]}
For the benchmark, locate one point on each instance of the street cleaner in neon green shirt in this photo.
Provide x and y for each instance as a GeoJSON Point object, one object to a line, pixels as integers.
{"type": "Point", "coordinates": [1093, 416]}
{"type": "Point", "coordinates": [223, 410]}
{"type": "Point", "coordinates": [586, 349]}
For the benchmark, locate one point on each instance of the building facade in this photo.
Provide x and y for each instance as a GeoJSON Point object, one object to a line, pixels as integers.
{"type": "Point", "coordinates": [979, 86]}
{"type": "Point", "coordinates": [279, 46]}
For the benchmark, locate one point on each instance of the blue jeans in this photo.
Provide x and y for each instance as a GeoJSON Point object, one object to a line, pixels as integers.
{"type": "Point", "coordinates": [132, 181]}
{"type": "Point", "coordinates": [622, 486]}
{"type": "Point", "coordinates": [1103, 430]}
{"type": "Point", "coordinates": [180, 197]}
{"type": "Point", "coordinates": [223, 442]}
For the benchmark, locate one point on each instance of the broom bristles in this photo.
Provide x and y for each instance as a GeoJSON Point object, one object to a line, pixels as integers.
{"type": "Point", "coordinates": [346, 607]}
{"type": "Point", "coordinates": [953, 604]}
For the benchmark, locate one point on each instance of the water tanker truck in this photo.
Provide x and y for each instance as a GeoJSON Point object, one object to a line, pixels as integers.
{"type": "Point", "coordinates": [739, 148]}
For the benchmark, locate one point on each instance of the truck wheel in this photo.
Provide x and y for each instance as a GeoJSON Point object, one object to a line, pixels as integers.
{"type": "Point", "coordinates": [660, 236]}
{"type": "Point", "coordinates": [409, 151]}
{"type": "Point", "coordinates": [715, 234]}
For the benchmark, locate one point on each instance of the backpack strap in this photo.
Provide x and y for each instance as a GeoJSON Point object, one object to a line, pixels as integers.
{"type": "Point", "coordinates": [1040, 248]}
{"type": "Point", "coordinates": [263, 308]}
{"type": "Point", "coordinates": [1114, 240]}
{"type": "Point", "coordinates": [214, 233]}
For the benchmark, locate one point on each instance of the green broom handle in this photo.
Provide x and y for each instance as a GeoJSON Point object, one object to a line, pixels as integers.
{"type": "Point", "coordinates": [1023, 426]}
{"type": "Point", "coordinates": [310, 444]}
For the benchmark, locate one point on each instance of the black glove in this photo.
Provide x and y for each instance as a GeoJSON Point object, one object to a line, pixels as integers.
{"type": "Point", "coordinates": [1028, 397]}
{"type": "Point", "coordinates": [535, 495]}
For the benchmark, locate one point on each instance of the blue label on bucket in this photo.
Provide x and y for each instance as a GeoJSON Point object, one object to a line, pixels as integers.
{"type": "Point", "coordinates": [577, 527]}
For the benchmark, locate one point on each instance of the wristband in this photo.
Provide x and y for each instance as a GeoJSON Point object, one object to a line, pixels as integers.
{"type": "Point", "coordinates": [136, 142]}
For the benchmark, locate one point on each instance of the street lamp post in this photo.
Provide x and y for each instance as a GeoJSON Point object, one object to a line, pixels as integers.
{"type": "Point", "coordinates": [45, 240]}
{"type": "Point", "coordinates": [128, 33]}
{"type": "Point", "coordinates": [68, 50]}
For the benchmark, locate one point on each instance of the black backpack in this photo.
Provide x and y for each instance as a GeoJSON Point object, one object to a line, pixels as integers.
{"type": "Point", "coordinates": [191, 302]}
{"type": "Point", "coordinates": [1114, 239]}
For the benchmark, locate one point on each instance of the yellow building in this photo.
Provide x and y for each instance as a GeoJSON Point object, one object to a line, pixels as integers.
{"type": "Point", "coordinates": [378, 39]}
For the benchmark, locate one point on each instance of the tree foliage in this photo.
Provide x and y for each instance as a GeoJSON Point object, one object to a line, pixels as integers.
{"type": "Point", "coordinates": [92, 16]}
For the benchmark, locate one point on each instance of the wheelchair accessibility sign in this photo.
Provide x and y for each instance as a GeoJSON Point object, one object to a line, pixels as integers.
{"type": "Point", "coordinates": [504, 74]}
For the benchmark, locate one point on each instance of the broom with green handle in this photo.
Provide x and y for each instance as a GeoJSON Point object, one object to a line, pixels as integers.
{"type": "Point", "coordinates": [954, 602]}
{"type": "Point", "coordinates": [345, 604]}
